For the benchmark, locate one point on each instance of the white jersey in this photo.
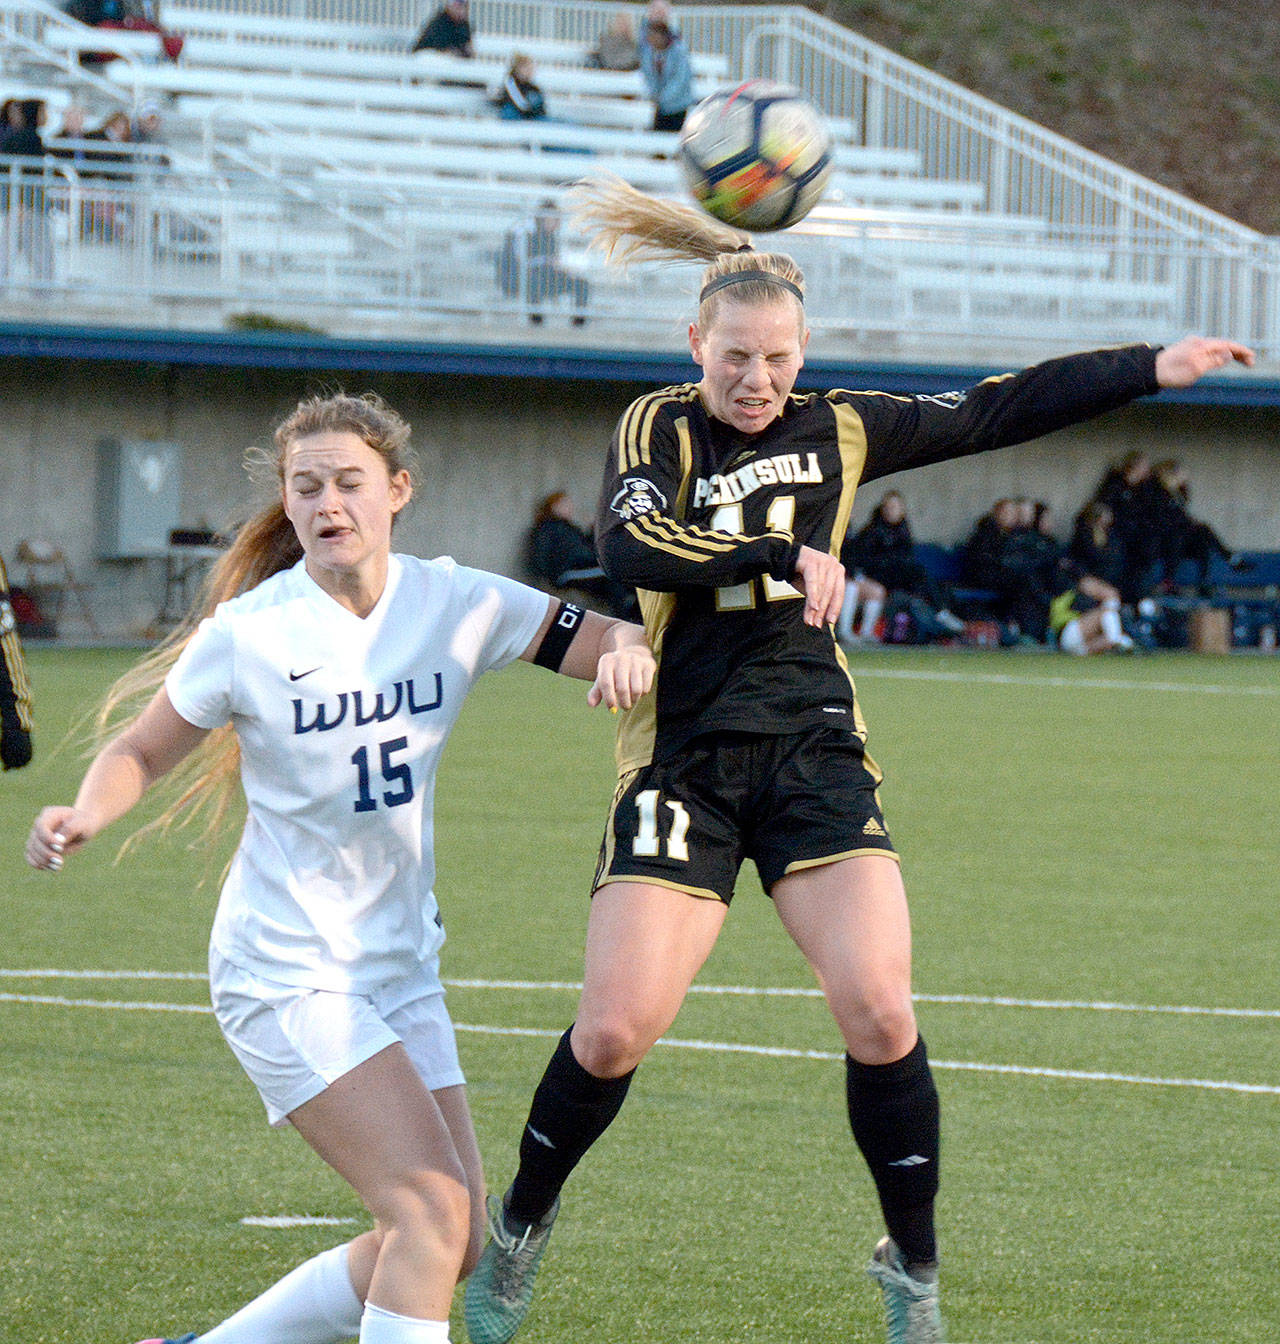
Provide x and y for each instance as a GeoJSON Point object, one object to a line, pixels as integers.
{"type": "Point", "coordinates": [341, 722]}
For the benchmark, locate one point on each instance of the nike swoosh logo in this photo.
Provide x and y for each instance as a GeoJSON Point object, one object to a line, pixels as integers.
{"type": "Point", "coordinates": [541, 1138]}
{"type": "Point", "coordinates": [297, 676]}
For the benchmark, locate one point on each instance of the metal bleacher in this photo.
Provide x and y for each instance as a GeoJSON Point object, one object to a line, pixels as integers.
{"type": "Point", "coordinates": [320, 168]}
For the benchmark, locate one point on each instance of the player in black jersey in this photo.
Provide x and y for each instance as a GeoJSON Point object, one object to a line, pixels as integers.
{"type": "Point", "coordinates": [724, 504]}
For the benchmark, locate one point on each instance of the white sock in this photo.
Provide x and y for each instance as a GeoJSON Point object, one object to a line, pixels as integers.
{"type": "Point", "coordinates": [1110, 620]}
{"type": "Point", "coordinates": [844, 622]}
{"type": "Point", "coordinates": [871, 610]}
{"type": "Point", "coordinates": [313, 1304]}
{"type": "Point", "coordinates": [379, 1326]}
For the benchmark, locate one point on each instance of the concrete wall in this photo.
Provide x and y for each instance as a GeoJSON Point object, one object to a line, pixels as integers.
{"type": "Point", "coordinates": [490, 449]}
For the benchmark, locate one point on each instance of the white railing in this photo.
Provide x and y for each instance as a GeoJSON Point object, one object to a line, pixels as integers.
{"type": "Point", "coordinates": [1025, 169]}
{"type": "Point", "coordinates": [353, 256]}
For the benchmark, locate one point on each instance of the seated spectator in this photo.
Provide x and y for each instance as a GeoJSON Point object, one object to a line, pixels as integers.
{"type": "Point", "coordinates": [1130, 492]}
{"type": "Point", "coordinates": [1083, 625]}
{"type": "Point", "coordinates": [1179, 536]}
{"type": "Point", "coordinates": [1094, 548]}
{"type": "Point", "coordinates": [519, 98]}
{"type": "Point", "coordinates": [562, 554]}
{"type": "Point", "coordinates": [668, 75]}
{"type": "Point", "coordinates": [148, 130]}
{"type": "Point", "coordinates": [884, 550]}
{"type": "Point", "coordinates": [617, 48]}
{"type": "Point", "coordinates": [20, 123]}
{"type": "Point", "coordinates": [534, 253]}
{"type": "Point", "coordinates": [864, 595]}
{"type": "Point", "coordinates": [996, 558]}
{"type": "Point", "coordinates": [109, 162]}
{"type": "Point", "coordinates": [448, 30]}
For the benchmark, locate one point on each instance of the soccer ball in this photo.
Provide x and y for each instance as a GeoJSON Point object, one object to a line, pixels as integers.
{"type": "Point", "coordinates": [756, 156]}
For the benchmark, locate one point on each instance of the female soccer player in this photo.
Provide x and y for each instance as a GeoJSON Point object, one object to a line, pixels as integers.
{"type": "Point", "coordinates": [331, 671]}
{"type": "Point", "coordinates": [724, 503]}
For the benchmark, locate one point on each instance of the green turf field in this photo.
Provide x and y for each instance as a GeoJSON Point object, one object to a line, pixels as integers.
{"type": "Point", "coordinates": [1076, 834]}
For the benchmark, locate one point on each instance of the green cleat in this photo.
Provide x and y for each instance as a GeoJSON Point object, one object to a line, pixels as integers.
{"type": "Point", "coordinates": [911, 1304]}
{"type": "Point", "coordinates": [501, 1285]}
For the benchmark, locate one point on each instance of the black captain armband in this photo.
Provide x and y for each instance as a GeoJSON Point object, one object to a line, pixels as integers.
{"type": "Point", "coordinates": [555, 643]}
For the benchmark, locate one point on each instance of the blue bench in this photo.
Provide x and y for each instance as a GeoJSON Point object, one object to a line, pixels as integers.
{"type": "Point", "coordinates": [946, 564]}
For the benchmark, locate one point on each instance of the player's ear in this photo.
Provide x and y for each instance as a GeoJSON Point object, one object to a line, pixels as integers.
{"type": "Point", "coordinates": [695, 343]}
{"type": "Point", "coordinates": [401, 490]}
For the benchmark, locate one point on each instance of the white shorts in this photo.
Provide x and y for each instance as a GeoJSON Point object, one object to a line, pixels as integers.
{"type": "Point", "coordinates": [1071, 638]}
{"type": "Point", "coordinates": [293, 1041]}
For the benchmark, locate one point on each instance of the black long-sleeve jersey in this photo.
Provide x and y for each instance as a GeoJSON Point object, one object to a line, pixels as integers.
{"type": "Point", "coordinates": [707, 522]}
{"type": "Point", "coordinates": [15, 690]}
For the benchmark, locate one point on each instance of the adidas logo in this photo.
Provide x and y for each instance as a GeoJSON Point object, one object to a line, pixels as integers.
{"type": "Point", "coordinates": [873, 827]}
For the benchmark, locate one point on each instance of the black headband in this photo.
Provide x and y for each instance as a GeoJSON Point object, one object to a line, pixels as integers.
{"type": "Point", "coordinates": [741, 277]}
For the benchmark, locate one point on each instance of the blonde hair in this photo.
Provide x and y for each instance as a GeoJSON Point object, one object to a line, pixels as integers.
{"type": "Point", "coordinates": [631, 226]}
{"type": "Point", "coordinates": [265, 543]}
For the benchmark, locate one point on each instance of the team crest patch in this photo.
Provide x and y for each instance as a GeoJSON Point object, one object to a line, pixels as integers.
{"type": "Point", "coordinates": [636, 498]}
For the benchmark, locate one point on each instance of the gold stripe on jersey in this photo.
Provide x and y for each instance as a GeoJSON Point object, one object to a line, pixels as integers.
{"type": "Point", "coordinates": [685, 441]}
{"type": "Point", "coordinates": [851, 438]}
{"type": "Point", "coordinates": [638, 726]}
{"type": "Point", "coordinates": [659, 533]}
{"type": "Point", "coordinates": [11, 651]}
{"type": "Point", "coordinates": [637, 425]}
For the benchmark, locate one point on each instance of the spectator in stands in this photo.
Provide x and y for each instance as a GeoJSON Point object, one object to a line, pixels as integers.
{"type": "Point", "coordinates": [26, 223]}
{"type": "Point", "coordinates": [995, 558]}
{"type": "Point", "coordinates": [1130, 492]}
{"type": "Point", "coordinates": [448, 30]}
{"type": "Point", "coordinates": [15, 689]}
{"type": "Point", "coordinates": [148, 129]}
{"type": "Point", "coordinates": [617, 48]}
{"type": "Point", "coordinates": [534, 253]}
{"type": "Point", "coordinates": [74, 119]}
{"type": "Point", "coordinates": [668, 75]}
{"type": "Point", "coordinates": [1181, 537]}
{"type": "Point", "coordinates": [519, 98]}
{"type": "Point", "coordinates": [563, 554]}
{"type": "Point", "coordinates": [884, 550]}
{"type": "Point", "coordinates": [659, 11]}
{"type": "Point", "coordinates": [1094, 548]}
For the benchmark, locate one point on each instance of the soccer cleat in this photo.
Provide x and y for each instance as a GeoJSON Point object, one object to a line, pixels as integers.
{"type": "Point", "coordinates": [501, 1286]}
{"type": "Point", "coordinates": [910, 1304]}
{"type": "Point", "coordinates": [182, 1339]}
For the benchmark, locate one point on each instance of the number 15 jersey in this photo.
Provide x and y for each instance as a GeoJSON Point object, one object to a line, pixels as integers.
{"type": "Point", "coordinates": [341, 722]}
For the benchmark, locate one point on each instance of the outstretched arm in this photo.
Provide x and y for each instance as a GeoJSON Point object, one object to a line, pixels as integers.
{"type": "Point", "coordinates": [612, 655]}
{"type": "Point", "coordinates": [1188, 360]}
{"type": "Point", "coordinates": [120, 774]}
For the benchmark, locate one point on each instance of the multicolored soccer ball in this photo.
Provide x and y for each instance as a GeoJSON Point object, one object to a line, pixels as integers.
{"type": "Point", "coordinates": [756, 156]}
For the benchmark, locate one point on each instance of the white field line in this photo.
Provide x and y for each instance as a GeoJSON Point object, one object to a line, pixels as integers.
{"type": "Point", "coordinates": [296, 1220]}
{"type": "Point", "coordinates": [1071, 683]}
{"type": "Point", "coordinates": [744, 991]}
{"type": "Point", "coordinates": [718, 1047]}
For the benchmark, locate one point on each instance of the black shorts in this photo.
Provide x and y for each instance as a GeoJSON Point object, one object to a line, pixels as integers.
{"type": "Point", "coordinates": [785, 802]}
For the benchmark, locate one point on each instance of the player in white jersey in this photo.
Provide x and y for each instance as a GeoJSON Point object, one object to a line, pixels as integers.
{"type": "Point", "coordinates": [331, 671]}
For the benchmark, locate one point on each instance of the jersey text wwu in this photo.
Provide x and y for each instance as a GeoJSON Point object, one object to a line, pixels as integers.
{"type": "Point", "coordinates": [707, 522]}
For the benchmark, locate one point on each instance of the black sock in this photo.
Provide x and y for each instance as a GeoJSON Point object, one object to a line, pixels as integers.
{"type": "Point", "coordinates": [570, 1110]}
{"type": "Point", "coordinates": [893, 1111]}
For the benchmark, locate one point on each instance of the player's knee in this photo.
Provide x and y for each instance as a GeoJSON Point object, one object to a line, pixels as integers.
{"type": "Point", "coordinates": [880, 1028]}
{"type": "Point", "coordinates": [610, 1046]}
{"type": "Point", "coordinates": [431, 1208]}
